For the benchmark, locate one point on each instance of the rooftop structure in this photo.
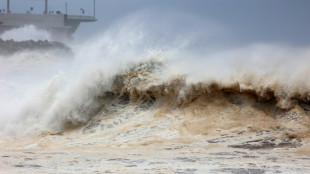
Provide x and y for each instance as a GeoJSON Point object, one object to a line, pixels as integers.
{"type": "Point", "coordinates": [56, 23]}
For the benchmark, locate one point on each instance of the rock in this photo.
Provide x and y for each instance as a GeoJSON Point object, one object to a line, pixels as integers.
{"type": "Point", "coordinates": [11, 46]}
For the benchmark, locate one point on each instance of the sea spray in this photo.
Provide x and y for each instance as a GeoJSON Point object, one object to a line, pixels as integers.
{"type": "Point", "coordinates": [62, 93]}
{"type": "Point", "coordinates": [27, 32]}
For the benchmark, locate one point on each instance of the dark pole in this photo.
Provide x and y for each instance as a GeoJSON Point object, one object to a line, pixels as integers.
{"type": "Point", "coordinates": [46, 7]}
{"type": "Point", "coordinates": [8, 6]}
{"type": "Point", "coordinates": [94, 8]}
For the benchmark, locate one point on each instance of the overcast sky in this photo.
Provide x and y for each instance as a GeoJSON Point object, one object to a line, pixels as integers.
{"type": "Point", "coordinates": [284, 21]}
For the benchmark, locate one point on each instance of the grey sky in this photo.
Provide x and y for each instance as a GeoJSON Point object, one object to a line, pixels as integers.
{"type": "Point", "coordinates": [284, 21]}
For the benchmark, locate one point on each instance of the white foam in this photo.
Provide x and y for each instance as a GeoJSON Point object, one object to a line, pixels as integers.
{"type": "Point", "coordinates": [67, 91]}
{"type": "Point", "coordinates": [27, 32]}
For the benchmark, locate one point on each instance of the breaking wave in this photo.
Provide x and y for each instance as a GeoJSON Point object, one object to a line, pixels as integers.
{"type": "Point", "coordinates": [258, 86]}
{"type": "Point", "coordinates": [271, 104]}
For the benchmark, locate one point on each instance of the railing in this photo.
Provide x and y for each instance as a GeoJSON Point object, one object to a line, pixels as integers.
{"type": "Point", "coordinates": [81, 18]}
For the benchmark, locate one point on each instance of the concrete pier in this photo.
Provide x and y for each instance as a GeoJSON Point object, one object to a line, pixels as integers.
{"type": "Point", "coordinates": [56, 23]}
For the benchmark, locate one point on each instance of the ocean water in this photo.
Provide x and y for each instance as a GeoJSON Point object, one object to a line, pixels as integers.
{"type": "Point", "coordinates": [137, 99]}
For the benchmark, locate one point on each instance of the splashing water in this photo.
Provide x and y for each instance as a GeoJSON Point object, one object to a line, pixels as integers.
{"type": "Point", "coordinates": [52, 91]}
{"type": "Point", "coordinates": [28, 32]}
{"type": "Point", "coordinates": [137, 86]}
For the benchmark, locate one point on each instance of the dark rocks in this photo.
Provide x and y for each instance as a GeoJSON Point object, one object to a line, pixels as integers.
{"type": "Point", "coordinates": [11, 46]}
